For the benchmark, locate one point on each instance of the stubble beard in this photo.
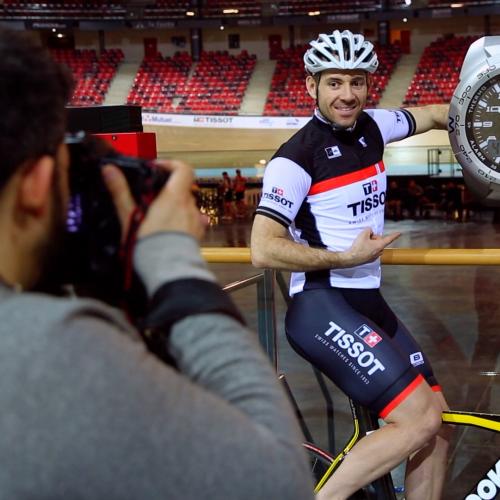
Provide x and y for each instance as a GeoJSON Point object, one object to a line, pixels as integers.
{"type": "Point", "coordinates": [51, 251]}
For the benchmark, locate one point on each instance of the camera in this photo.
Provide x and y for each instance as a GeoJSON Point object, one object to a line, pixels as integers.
{"type": "Point", "coordinates": [92, 263]}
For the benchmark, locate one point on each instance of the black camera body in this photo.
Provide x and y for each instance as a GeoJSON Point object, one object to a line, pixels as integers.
{"type": "Point", "coordinates": [93, 264]}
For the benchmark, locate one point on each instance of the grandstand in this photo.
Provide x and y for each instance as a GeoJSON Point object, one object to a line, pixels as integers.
{"type": "Point", "coordinates": [92, 73]}
{"type": "Point", "coordinates": [214, 79]}
{"type": "Point", "coordinates": [214, 85]}
{"type": "Point", "coordinates": [159, 81]}
{"type": "Point", "coordinates": [235, 60]}
{"type": "Point", "coordinates": [444, 56]}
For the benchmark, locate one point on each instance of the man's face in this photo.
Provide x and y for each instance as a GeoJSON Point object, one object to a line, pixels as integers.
{"type": "Point", "coordinates": [341, 94]}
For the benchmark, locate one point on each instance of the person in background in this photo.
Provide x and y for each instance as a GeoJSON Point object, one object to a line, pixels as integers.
{"type": "Point", "coordinates": [394, 201]}
{"type": "Point", "coordinates": [227, 194]}
{"type": "Point", "coordinates": [412, 197]}
{"type": "Point", "coordinates": [321, 216]}
{"type": "Point", "coordinates": [240, 185]}
{"type": "Point", "coordinates": [87, 411]}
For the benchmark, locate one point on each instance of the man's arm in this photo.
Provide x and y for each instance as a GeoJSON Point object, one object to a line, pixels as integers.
{"type": "Point", "coordinates": [271, 247]}
{"type": "Point", "coordinates": [222, 426]}
{"type": "Point", "coordinates": [119, 424]}
{"type": "Point", "coordinates": [434, 116]}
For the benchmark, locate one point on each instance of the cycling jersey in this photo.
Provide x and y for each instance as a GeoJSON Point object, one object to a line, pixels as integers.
{"type": "Point", "coordinates": [327, 186]}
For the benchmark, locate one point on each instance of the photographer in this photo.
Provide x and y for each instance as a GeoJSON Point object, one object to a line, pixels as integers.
{"type": "Point", "coordinates": [87, 411]}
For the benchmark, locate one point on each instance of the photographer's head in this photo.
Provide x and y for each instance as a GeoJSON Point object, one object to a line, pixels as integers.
{"type": "Point", "coordinates": [34, 90]}
{"type": "Point", "coordinates": [34, 161]}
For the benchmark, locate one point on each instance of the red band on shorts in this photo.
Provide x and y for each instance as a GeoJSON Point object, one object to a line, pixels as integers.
{"type": "Point", "coordinates": [402, 396]}
{"type": "Point", "coordinates": [436, 388]}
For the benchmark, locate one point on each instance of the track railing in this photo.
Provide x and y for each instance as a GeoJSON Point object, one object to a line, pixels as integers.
{"type": "Point", "coordinates": [391, 256]}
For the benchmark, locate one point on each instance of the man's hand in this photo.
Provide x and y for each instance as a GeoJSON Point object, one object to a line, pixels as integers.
{"type": "Point", "coordinates": [367, 247]}
{"type": "Point", "coordinates": [174, 209]}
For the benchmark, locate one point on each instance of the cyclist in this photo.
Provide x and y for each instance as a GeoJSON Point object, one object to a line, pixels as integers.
{"type": "Point", "coordinates": [321, 216]}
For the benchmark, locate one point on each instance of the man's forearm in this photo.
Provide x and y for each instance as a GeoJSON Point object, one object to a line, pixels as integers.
{"type": "Point", "coordinates": [433, 116]}
{"type": "Point", "coordinates": [286, 255]}
{"type": "Point", "coordinates": [225, 358]}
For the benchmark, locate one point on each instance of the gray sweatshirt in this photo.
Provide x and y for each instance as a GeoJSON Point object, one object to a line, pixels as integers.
{"type": "Point", "coordinates": [88, 412]}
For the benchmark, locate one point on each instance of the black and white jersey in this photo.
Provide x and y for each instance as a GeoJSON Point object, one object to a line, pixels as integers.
{"type": "Point", "coordinates": [326, 186]}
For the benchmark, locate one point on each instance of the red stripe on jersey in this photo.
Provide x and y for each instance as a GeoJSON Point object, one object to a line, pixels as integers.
{"type": "Point", "coordinates": [346, 179]}
{"type": "Point", "coordinates": [402, 396]}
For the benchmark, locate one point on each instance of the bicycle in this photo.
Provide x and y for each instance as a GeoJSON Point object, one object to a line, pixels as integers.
{"type": "Point", "coordinates": [323, 464]}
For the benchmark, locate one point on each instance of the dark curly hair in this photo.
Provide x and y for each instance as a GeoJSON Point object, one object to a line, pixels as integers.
{"type": "Point", "coordinates": [34, 90]}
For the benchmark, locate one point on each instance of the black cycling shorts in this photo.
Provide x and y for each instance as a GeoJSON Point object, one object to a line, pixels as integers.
{"type": "Point", "coordinates": [354, 338]}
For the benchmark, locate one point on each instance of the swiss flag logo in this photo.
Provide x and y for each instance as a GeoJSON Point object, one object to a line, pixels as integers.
{"type": "Point", "coordinates": [370, 337]}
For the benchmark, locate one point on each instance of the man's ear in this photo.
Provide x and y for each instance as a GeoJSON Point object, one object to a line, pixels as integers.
{"type": "Point", "coordinates": [311, 85]}
{"type": "Point", "coordinates": [35, 185]}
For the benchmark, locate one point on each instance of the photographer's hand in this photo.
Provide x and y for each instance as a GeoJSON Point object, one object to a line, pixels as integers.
{"type": "Point", "coordinates": [174, 209]}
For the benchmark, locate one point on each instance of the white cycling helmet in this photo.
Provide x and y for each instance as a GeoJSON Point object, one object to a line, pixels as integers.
{"type": "Point", "coordinates": [340, 51]}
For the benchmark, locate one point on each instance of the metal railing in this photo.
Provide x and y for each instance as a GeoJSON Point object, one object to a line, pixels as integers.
{"type": "Point", "coordinates": [391, 256]}
{"type": "Point", "coordinates": [439, 159]}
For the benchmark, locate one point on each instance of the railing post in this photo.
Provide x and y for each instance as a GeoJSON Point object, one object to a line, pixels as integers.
{"type": "Point", "coordinates": [267, 316]}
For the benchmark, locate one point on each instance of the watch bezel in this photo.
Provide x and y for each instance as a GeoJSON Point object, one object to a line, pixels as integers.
{"type": "Point", "coordinates": [472, 79]}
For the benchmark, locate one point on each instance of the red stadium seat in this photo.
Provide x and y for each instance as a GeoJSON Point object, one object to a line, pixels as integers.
{"type": "Point", "coordinates": [92, 74]}
{"type": "Point", "coordinates": [442, 57]}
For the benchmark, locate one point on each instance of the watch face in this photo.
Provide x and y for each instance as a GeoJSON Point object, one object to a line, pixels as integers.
{"type": "Point", "coordinates": [482, 123]}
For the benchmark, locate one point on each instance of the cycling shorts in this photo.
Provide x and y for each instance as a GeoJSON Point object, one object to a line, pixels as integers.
{"type": "Point", "coordinates": [354, 338]}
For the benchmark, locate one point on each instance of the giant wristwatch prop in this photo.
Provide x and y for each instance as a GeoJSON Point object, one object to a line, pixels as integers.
{"type": "Point", "coordinates": [474, 120]}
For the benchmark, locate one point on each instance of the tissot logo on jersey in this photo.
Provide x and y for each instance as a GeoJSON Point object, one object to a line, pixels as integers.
{"type": "Point", "coordinates": [368, 203]}
{"type": "Point", "coordinates": [356, 350]}
{"type": "Point", "coordinates": [370, 187]}
{"type": "Point", "coordinates": [277, 195]}
{"type": "Point", "coordinates": [368, 336]}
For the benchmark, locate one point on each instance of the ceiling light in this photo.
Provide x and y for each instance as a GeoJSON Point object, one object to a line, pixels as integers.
{"type": "Point", "coordinates": [456, 5]}
{"type": "Point", "coordinates": [190, 13]}
{"type": "Point", "coordinates": [230, 11]}
{"type": "Point", "coordinates": [314, 13]}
